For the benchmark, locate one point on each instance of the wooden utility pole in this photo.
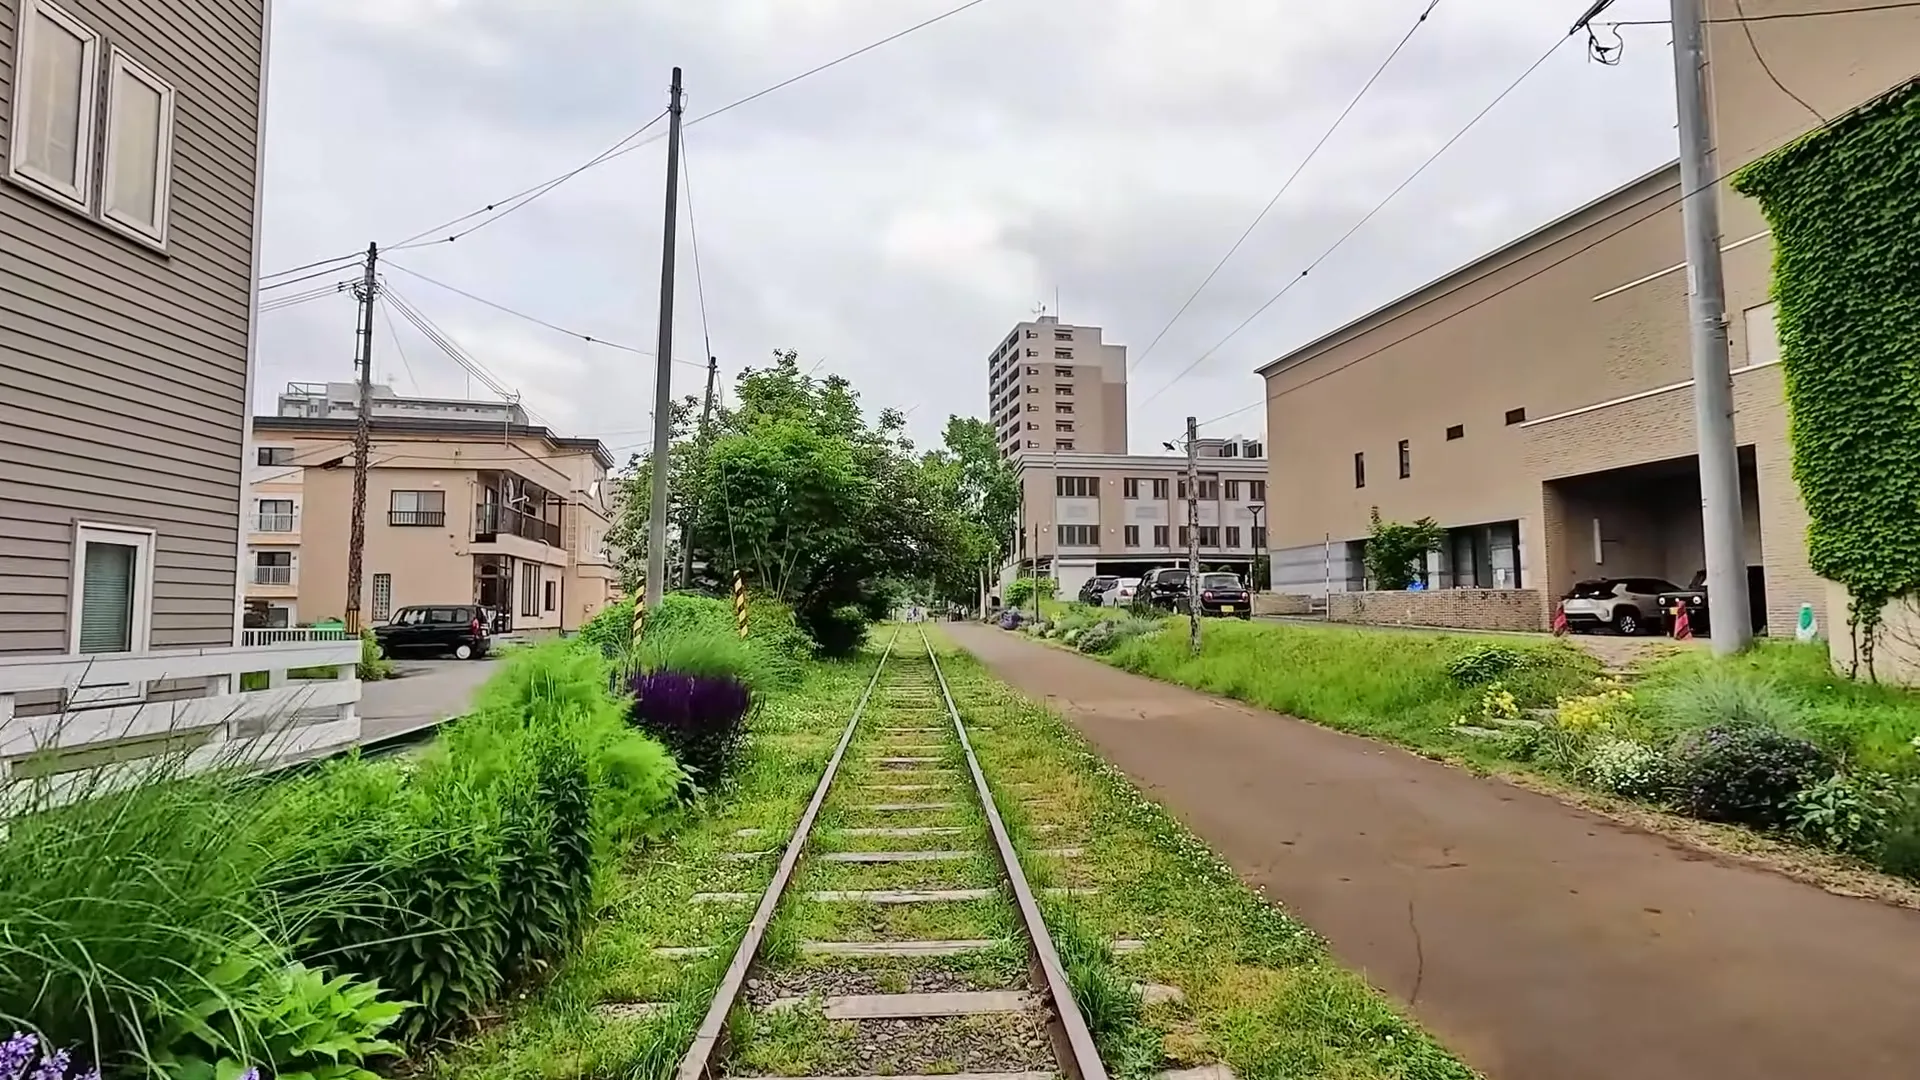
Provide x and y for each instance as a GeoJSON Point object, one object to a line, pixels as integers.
{"type": "Point", "coordinates": [1193, 535]}
{"type": "Point", "coordinates": [367, 291]}
{"type": "Point", "coordinates": [686, 519]}
{"type": "Point", "coordinates": [663, 366]}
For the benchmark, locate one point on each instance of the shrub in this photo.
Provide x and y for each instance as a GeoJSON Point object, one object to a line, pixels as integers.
{"type": "Point", "coordinates": [772, 625]}
{"type": "Point", "coordinates": [373, 666]}
{"type": "Point", "coordinates": [838, 631]}
{"type": "Point", "coordinates": [1395, 551]}
{"type": "Point", "coordinates": [1899, 851]}
{"type": "Point", "coordinates": [1845, 813]}
{"type": "Point", "coordinates": [1624, 767]}
{"type": "Point", "coordinates": [292, 1017]}
{"type": "Point", "coordinates": [1613, 711]}
{"type": "Point", "coordinates": [1019, 591]}
{"type": "Point", "coordinates": [610, 632]}
{"type": "Point", "coordinates": [700, 718]}
{"type": "Point", "coordinates": [1482, 664]}
{"type": "Point", "coordinates": [1744, 774]}
{"type": "Point", "coordinates": [1717, 697]}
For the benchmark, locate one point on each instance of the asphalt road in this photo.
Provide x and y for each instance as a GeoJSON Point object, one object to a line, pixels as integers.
{"type": "Point", "coordinates": [1539, 941]}
{"type": "Point", "coordinates": [427, 692]}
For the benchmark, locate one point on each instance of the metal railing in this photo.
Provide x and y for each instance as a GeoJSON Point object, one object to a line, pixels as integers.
{"type": "Point", "coordinates": [291, 635]}
{"type": "Point", "coordinates": [431, 519]}
{"type": "Point", "coordinates": [273, 575]}
{"type": "Point", "coordinates": [274, 523]}
{"type": "Point", "coordinates": [492, 519]}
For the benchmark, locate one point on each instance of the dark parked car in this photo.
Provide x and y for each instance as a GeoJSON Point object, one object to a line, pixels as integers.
{"type": "Point", "coordinates": [1090, 592]}
{"type": "Point", "coordinates": [1224, 594]}
{"type": "Point", "coordinates": [1164, 589]}
{"type": "Point", "coordinates": [459, 630]}
{"type": "Point", "coordinates": [1695, 597]}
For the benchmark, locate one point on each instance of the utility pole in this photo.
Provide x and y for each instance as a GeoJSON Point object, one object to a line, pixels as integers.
{"type": "Point", "coordinates": [663, 366]}
{"type": "Point", "coordinates": [1707, 303]}
{"type": "Point", "coordinates": [686, 522]}
{"type": "Point", "coordinates": [1720, 512]}
{"type": "Point", "coordinates": [1193, 536]}
{"type": "Point", "coordinates": [368, 290]}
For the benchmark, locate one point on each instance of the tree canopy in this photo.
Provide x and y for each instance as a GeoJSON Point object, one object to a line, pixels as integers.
{"type": "Point", "coordinates": [819, 505]}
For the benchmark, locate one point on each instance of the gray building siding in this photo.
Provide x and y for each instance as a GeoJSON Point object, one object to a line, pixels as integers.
{"type": "Point", "coordinates": [123, 371]}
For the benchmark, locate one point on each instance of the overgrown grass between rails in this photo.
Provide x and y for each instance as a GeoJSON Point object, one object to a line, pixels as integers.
{"type": "Point", "coordinates": [1262, 993]}
{"type": "Point", "coordinates": [1387, 685]}
{"type": "Point", "coordinates": [560, 1030]}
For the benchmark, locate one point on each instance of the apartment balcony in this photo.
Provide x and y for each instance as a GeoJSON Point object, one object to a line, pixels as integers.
{"type": "Point", "coordinates": [417, 519]}
{"type": "Point", "coordinates": [499, 530]}
{"type": "Point", "coordinates": [273, 575]}
{"type": "Point", "coordinates": [103, 711]}
{"type": "Point", "coordinates": [276, 523]}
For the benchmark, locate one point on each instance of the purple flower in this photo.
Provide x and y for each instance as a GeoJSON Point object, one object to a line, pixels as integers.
{"type": "Point", "coordinates": [15, 1053]}
{"type": "Point", "coordinates": [53, 1066]}
{"type": "Point", "coordinates": [251, 1074]}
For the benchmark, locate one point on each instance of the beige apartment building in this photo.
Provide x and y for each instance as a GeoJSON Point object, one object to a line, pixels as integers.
{"type": "Point", "coordinates": [1538, 401]}
{"type": "Point", "coordinates": [1058, 388]}
{"type": "Point", "coordinates": [1083, 514]}
{"type": "Point", "coordinates": [509, 516]}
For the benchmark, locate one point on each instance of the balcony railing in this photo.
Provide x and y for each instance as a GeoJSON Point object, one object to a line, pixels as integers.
{"type": "Point", "coordinates": [274, 523]}
{"type": "Point", "coordinates": [273, 575]}
{"type": "Point", "coordinates": [291, 635]}
{"type": "Point", "coordinates": [428, 519]}
{"type": "Point", "coordinates": [491, 520]}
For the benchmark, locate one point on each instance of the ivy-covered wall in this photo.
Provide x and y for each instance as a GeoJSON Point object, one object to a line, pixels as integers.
{"type": "Point", "coordinates": [1844, 206]}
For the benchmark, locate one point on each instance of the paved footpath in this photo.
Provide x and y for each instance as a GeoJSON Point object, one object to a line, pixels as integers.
{"type": "Point", "coordinates": [429, 692]}
{"type": "Point", "coordinates": [1539, 941]}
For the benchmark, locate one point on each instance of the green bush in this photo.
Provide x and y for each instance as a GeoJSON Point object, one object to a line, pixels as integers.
{"type": "Point", "coordinates": [1845, 813]}
{"type": "Point", "coordinates": [1019, 592]}
{"type": "Point", "coordinates": [373, 665]}
{"type": "Point", "coordinates": [837, 631]}
{"type": "Point", "coordinates": [1627, 768]}
{"type": "Point", "coordinates": [1106, 636]}
{"type": "Point", "coordinates": [1744, 774]}
{"type": "Point", "coordinates": [610, 631]}
{"type": "Point", "coordinates": [1718, 697]}
{"type": "Point", "coordinates": [293, 1017]}
{"type": "Point", "coordinates": [1483, 664]}
{"type": "Point", "coordinates": [1899, 851]}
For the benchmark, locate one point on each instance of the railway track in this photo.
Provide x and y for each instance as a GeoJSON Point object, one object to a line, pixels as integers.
{"type": "Point", "coordinates": [898, 922]}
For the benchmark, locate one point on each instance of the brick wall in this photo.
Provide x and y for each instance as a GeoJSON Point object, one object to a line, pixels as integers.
{"type": "Point", "coordinates": [1466, 609]}
{"type": "Point", "coordinates": [1282, 604]}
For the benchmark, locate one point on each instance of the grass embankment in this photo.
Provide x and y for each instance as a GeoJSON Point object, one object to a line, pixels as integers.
{"type": "Point", "coordinates": [575, 1025]}
{"type": "Point", "coordinates": [1261, 991]}
{"type": "Point", "coordinates": [1388, 685]}
{"type": "Point", "coordinates": [1773, 741]}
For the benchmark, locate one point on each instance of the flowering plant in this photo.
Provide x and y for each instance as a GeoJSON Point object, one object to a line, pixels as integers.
{"type": "Point", "coordinates": [18, 1052]}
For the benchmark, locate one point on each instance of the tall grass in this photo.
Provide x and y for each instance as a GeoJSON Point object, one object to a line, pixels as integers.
{"type": "Point", "coordinates": [1390, 684]}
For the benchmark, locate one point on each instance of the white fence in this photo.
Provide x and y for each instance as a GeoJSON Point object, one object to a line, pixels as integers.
{"type": "Point", "coordinates": [135, 705]}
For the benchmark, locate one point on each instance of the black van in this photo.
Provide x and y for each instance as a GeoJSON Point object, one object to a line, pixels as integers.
{"type": "Point", "coordinates": [460, 630]}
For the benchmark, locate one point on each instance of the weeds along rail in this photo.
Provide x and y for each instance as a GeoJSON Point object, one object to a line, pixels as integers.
{"type": "Point", "coordinates": [898, 935]}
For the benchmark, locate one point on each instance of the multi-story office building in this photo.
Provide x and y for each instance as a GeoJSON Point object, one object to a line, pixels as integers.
{"type": "Point", "coordinates": [458, 512]}
{"type": "Point", "coordinates": [1053, 387]}
{"type": "Point", "coordinates": [1124, 514]}
{"type": "Point", "coordinates": [1538, 402]}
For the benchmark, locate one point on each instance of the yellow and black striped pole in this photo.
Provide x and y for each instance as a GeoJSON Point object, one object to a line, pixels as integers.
{"type": "Point", "coordinates": [639, 615]}
{"type": "Point", "coordinates": [740, 602]}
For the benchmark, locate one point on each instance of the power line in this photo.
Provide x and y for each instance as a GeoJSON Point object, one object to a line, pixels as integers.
{"type": "Point", "coordinates": [1369, 216]}
{"type": "Point", "coordinates": [530, 194]}
{"type": "Point", "coordinates": [394, 332]}
{"type": "Point", "coordinates": [497, 306]}
{"type": "Point", "coordinates": [1288, 183]}
{"type": "Point", "coordinates": [1516, 283]}
{"type": "Point", "coordinates": [693, 238]}
{"type": "Point", "coordinates": [621, 148]}
{"type": "Point", "coordinates": [1776, 15]}
{"type": "Point", "coordinates": [279, 302]}
{"type": "Point", "coordinates": [446, 345]}
{"type": "Point", "coordinates": [305, 277]}
{"type": "Point", "coordinates": [323, 262]}
{"type": "Point", "coordinates": [1753, 46]}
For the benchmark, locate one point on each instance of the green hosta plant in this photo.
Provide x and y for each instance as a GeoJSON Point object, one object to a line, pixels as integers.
{"type": "Point", "coordinates": [292, 1019]}
{"type": "Point", "coordinates": [1846, 813]}
{"type": "Point", "coordinates": [1483, 664]}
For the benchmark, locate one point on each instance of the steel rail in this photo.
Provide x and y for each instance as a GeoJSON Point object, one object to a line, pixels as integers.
{"type": "Point", "coordinates": [1073, 1043]}
{"type": "Point", "coordinates": [698, 1061]}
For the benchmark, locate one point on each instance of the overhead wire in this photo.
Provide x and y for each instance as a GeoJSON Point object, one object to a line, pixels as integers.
{"type": "Point", "coordinates": [1773, 16]}
{"type": "Point", "coordinates": [1287, 184]}
{"type": "Point", "coordinates": [304, 277]}
{"type": "Point", "coordinates": [311, 265]}
{"type": "Point", "coordinates": [497, 306]}
{"type": "Point", "coordinates": [1746, 28]}
{"type": "Point", "coordinates": [279, 302]}
{"type": "Point", "coordinates": [1658, 209]}
{"type": "Point", "coordinates": [393, 331]}
{"type": "Point", "coordinates": [1369, 216]}
{"type": "Point", "coordinates": [693, 238]}
{"type": "Point", "coordinates": [446, 345]}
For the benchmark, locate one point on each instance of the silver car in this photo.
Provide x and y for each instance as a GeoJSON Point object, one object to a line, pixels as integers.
{"type": "Point", "coordinates": [1627, 606]}
{"type": "Point", "coordinates": [1121, 594]}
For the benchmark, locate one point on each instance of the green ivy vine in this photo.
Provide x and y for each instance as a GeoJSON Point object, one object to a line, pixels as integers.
{"type": "Point", "coordinates": [1844, 205]}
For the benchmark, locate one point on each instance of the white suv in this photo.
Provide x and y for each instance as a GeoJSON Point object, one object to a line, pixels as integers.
{"type": "Point", "coordinates": [1628, 605]}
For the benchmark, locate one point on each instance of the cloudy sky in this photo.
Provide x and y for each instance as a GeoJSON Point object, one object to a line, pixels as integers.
{"type": "Point", "coordinates": [895, 215]}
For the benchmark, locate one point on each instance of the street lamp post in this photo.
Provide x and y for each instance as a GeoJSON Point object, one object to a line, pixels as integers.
{"type": "Point", "coordinates": [1259, 544]}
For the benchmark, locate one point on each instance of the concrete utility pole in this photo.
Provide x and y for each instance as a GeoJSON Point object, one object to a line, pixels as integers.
{"type": "Point", "coordinates": [1707, 303]}
{"type": "Point", "coordinates": [1193, 535]}
{"type": "Point", "coordinates": [663, 366]}
{"type": "Point", "coordinates": [686, 523]}
{"type": "Point", "coordinates": [368, 290]}
{"type": "Point", "coordinates": [1720, 513]}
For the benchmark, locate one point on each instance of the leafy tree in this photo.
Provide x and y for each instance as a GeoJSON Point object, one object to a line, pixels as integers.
{"type": "Point", "coordinates": [1396, 552]}
{"type": "Point", "coordinates": [977, 494]}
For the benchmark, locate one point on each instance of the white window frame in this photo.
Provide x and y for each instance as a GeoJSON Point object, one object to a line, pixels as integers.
{"type": "Point", "coordinates": [141, 631]}
{"type": "Point", "coordinates": [118, 64]}
{"type": "Point", "coordinates": [80, 197]}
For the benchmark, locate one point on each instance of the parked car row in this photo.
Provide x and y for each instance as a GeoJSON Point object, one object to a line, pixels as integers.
{"type": "Point", "coordinates": [1635, 605]}
{"type": "Point", "coordinates": [1165, 589]}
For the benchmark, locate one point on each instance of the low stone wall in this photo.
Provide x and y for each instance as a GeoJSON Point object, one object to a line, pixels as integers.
{"type": "Point", "coordinates": [1270, 603]}
{"type": "Point", "coordinates": [1463, 609]}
